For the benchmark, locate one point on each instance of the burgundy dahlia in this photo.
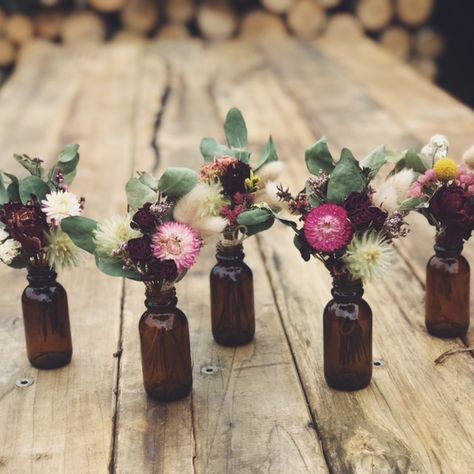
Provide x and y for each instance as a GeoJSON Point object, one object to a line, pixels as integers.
{"type": "Point", "coordinates": [143, 219]}
{"type": "Point", "coordinates": [233, 178]}
{"type": "Point", "coordinates": [357, 201]}
{"type": "Point", "coordinates": [139, 249]}
{"type": "Point", "coordinates": [363, 214]}
{"type": "Point", "coordinates": [25, 223]}
{"type": "Point", "coordinates": [450, 204]}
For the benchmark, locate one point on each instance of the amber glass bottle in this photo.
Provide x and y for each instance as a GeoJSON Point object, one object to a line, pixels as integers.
{"type": "Point", "coordinates": [232, 302]}
{"type": "Point", "coordinates": [347, 337]}
{"type": "Point", "coordinates": [447, 292]}
{"type": "Point", "coordinates": [46, 318]}
{"type": "Point", "coordinates": [166, 352]}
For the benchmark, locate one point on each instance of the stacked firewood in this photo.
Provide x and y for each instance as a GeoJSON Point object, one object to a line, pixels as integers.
{"type": "Point", "coordinates": [401, 26]}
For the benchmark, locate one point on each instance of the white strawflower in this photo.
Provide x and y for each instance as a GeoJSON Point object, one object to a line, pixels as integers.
{"type": "Point", "coordinates": [111, 234]}
{"type": "Point", "coordinates": [435, 149]}
{"type": "Point", "coordinates": [59, 205]}
{"type": "Point", "coordinates": [368, 256]}
{"type": "Point", "coordinates": [271, 171]}
{"type": "Point", "coordinates": [3, 234]}
{"type": "Point", "coordinates": [61, 250]}
{"type": "Point", "coordinates": [468, 158]}
{"type": "Point", "coordinates": [393, 191]}
{"type": "Point", "coordinates": [9, 250]}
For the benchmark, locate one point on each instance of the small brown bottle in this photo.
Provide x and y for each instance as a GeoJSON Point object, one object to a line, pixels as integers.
{"type": "Point", "coordinates": [447, 292]}
{"type": "Point", "coordinates": [46, 319]}
{"type": "Point", "coordinates": [347, 337]}
{"type": "Point", "coordinates": [165, 348]}
{"type": "Point", "coordinates": [232, 301]}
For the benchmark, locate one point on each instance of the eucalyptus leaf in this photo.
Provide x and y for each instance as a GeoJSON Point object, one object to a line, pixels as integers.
{"type": "Point", "coordinates": [269, 154]}
{"type": "Point", "coordinates": [18, 263]}
{"type": "Point", "coordinates": [81, 231]}
{"type": "Point", "coordinates": [68, 159]}
{"type": "Point", "coordinates": [210, 149]}
{"type": "Point", "coordinates": [138, 193]}
{"type": "Point", "coordinates": [235, 129]}
{"type": "Point", "coordinates": [411, 160]}
{"type": "Point", "coordinates": [148, 180]}
{"type": "Point", "coordinates": [113, 267]}
{"type": "Point", "coordinates": [318, 157]}
{"type": "Point", "coordinates": [346, 178]}
{"type": "Point", "coordinates": [410, 205]}
{"type": "Point", "coordinates": [3, 190]}
{"type": "Point", "coordinates": [374, 161]}
{"type": "Point", "coordinates": [32, 186]}
{"type": "Point", "coordinates": [176, 182]}
{"type": "Point", "coordinates": [32, 165]}
{"type": "Point", "coordinates": [256, 220]}
{"type": "Point", "coordinates": [242, 155]}
{"type": "Point", "coordinates": [13, 191]}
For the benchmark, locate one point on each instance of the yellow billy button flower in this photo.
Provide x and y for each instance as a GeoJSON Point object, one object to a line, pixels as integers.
{"type": "Point", "coordinates": [446, 169]}
{"type": "Point", "coordinates": [252, 184]}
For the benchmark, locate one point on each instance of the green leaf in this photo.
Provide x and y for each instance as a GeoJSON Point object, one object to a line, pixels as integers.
{"type": "Point", "coordinates": [13, 191]}
{"type": "Point", "coordinates": [410, 205]}
{"type": "Point", "coordinates": [148, 180]}
{"type": "Point", "coordinates": [3, 190]}
{"type": "Point", "coordinates": [235, 129]}
{"type": "Point", "coordinates": [319, 158]}
{"type": "Point", "coordinates": [138, 193]}
{"type": "Point", "coordinates": [269, 154]}
{"type": "Point", "coordinates": [374, 161]}
{"type": "Point", "coordinates": [210, 149]}
{"type": "Point", "coordinates": [411, 160]}
{"type": "Point", "coordinates": [256, 220]}
{"type": "Point", "coordinates": [176, 182]}
{"type": "Point", "coordinates": [32, 186]}
{"type": "Point", "coordinates": [81, 231]}
{"type": "Point", "coordinates": [32, 165]}
{"type": "Point", "coordinates": [346, 178]}
{"type": "Point", "coordinates": [68, 159]}
{"type": "Point", "coordinates": [113, 267]}
{"type": "Point", "coordinates": [242, 155]}
{"type": "Point", "coordinates": [18, 264]}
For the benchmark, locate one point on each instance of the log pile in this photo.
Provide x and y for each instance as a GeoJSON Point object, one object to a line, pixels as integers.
{"type": "Point", "coordinates": [401, 26]}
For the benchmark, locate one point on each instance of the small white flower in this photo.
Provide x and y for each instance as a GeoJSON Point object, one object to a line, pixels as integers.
{"type": "Point", "coordinates": [111, 234]}
{"type": "Point", "coordinates": [368, 256]}
{"type": "Point", "coordinates": [59, 205]}
{"type": "Point", "coordinates": [435, 149]}
{"type": "Point", "coordinates": [9, 250]}
{"type": "Point", "coordinates": [3, 234]}
{"type": "Point", "coordinates": [468, 158]}
{"type": "Point", "coordinates": [393, 191]}
{"type": "Point", "coordinates": [61, 250]}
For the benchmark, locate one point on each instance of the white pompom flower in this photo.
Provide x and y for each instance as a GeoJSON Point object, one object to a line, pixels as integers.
{"type": "Point", "coordinates": [61, 250]}
{"type": "Point", "coordinates": [468, 158]}
{"type": "Point", "coordinates": [9, 250]}
{"type": "Point", "coordinates": [393, 191]}
{"type": "Point", "coordinates": [113, 233]}
{"type": "Point", "coordinates": [61, 204]}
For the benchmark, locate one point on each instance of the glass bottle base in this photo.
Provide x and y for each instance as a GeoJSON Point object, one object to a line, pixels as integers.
{"type": "Point", "coordinates": [168, 392]}
{"type": "Point", "coordinates": [347, 382]}
{"type": "Point", "coordinates": [447, 330]}
{"type": "Point", "coordinates": [51, 360]}
{"type": "Point", "coordinates": [232, 339]}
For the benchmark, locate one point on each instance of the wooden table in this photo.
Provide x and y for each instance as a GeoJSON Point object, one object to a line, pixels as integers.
{"type": "Point", "coordinates": [264, 407]}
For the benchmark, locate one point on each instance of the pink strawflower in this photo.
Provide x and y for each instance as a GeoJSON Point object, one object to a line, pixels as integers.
{"type": "Point", "coordinates": [470, 189]}
{"type": "Point", "coordinates": [178, 242]}
{"type": "Point", "coordinates": [427, 178]}
{"type": "Point", "coordinates": [415, 191]}
{"type": "Point", "coordinates": [465, 176]}
{"type": "Point", "coordinates": [327, 228]}
{"type": "Point", "coordinates": [232, 214]}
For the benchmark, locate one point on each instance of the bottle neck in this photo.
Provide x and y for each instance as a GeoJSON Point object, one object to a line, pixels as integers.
{"type": "Point", "coordinates": [41, 276]}
{"type": "Point", "coordinates": [229, 254]}
{"type": "Point", "coordinates": [445, 249]}
{"type": "Point", "coordinates": [345, 290]}
{"type": "Point", "coordinates": [157, 298]}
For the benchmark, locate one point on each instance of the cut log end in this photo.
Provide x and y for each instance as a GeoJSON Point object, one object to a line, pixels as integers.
{"type": "Point", "coordinates": [48, 25]}
{"type": "Point", "coordinates": [7, 53]}
{"type": "Point", "coordinates": [375, 14]}
{"type": "Point", "coordinates": [180, 11]}
{"type": "Point", "coordinates": [82, 27]}
{"type": "Point", "coordinates": [427, 67]}
{"type": "Point", "coordinates": [278, 6]}
{"type": "Point", "coordinates": [19, 29]}
{"type": "Point", "coordinates": [344, 25]}
{"type": "Point", "coordinates": [414, 12]}
{"type": "Point", "coordinates": [398, 41]}
{"type": "Point", "coordinates": [107, 6]}
{"type": "Point", "coordinates": [429, 43]}
{"type": "Point", "coordinates": [259, 24]}
{"type": "Point", "coordinates": [216, 20]}
{"type": "Point", "coordinates": [307, 19]}
{"type": "Point", "coordinates": [173, 32]}
{"type": "Point", "coordinates": [140, 15]}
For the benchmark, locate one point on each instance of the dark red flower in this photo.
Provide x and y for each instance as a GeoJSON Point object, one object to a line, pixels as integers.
{"type": "Point", "coordinates": [362, 213]}
{"type": "Point", "coordinates": [143, 219]}
{"type": "Point", "coordinates": [233, 178]}
{"type": "Point", "coordinates": [158, 270]}
{"type": "Point", "coordinates": [139, 249]}
{"type": "Point", "coordinates": [356, 202]}
{"type": "Point", "coordinates": [450, 204]}
{"type": "Point", "coordinates": [25, 223]}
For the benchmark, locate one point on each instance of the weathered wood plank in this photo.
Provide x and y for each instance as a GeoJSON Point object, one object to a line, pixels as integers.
{"type": "Point", "coordinates": [63, 423]}
{"type": "Point", "coordinates": [250, 416]}
{"type": "Point", "coordinates": [395, 425]}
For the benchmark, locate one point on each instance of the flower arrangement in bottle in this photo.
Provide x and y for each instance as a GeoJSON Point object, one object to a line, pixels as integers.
{"type": "Point", "coordinates": [229, 186]}
{"type": "Point", "coordinates": [148, 244]}
{"type": "Point", "coordinates": [444, 194]}
{"type": "Point", "coordinates": [31, 211]}
{"type": "Point", "coordinates": [349, 224]}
